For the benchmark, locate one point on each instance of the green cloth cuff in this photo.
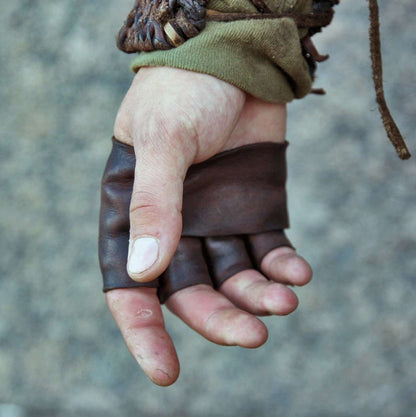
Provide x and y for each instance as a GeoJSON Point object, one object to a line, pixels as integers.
{"type": "Point", "coordinates": [262, 57]}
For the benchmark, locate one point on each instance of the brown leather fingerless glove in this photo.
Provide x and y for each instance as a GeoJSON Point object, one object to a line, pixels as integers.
{"type": "Point", "coordinates": [234, 213]}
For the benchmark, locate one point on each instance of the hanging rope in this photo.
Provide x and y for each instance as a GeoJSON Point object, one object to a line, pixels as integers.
{"type": "Point", "coordinates": [392, 130]}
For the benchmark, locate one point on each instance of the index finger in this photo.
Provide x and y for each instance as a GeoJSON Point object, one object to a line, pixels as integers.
{"type": "Point", "coordinates": [138, 314]}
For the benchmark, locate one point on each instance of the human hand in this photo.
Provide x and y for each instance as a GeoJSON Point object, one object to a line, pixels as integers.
{"type": "Point", "coordinates": [174, 119]}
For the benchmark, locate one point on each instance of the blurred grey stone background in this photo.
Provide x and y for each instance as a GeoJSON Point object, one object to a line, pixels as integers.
{"type": "Point", "coordinates": [350, 348]}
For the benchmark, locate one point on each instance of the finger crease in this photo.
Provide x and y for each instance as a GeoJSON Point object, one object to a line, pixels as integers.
{"type": "Point", "coordinates": [141, 207]}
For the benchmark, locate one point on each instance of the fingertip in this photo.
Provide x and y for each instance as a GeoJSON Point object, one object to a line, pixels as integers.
{"type": "Point", "coordinates": [249, 332]}
{"type": "Point", "coordinates": [252, 292]}
{"type": "Point", "coordinates": [143, 254]}
{"type": "Point", "coordinates": [256, 338]}
{"type": "Point", "coordinates": [145, 276]}
{"type": "Point", "coordinates": [213, 316]}
{"type": "Point", "coordinates": [155, 353]}
{"type": "Point", "coordinates": [280, 300]}
{"type": "Point", "coordinates": [286, 266]}
{"type": "Point", "coordinates": [164, 377]}
{"type": "Point", "coordinates": [139, 316]}
{"type": "Point", "coordinates": [304, 272]}
{"type": "Point", "coordinates": [297, 271]}
{"type": "Point", "coordinates": [149, 256]}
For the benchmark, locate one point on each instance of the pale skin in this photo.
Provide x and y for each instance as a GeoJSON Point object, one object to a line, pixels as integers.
{"type": "Point", "coordinates": [175, 118]}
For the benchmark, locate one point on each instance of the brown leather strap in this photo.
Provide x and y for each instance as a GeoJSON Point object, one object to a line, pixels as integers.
{"type": "Point", "coordinates": [261, 6]}
{"type": "Point", "coordinates": [262, 243]}
{"type": "Point", "coordinates": [237, 192]}
{"type": "Point", "coordinates": [188, 267]}
{"type": "Point", "coordinates": [390, 126]}
{"type": "Point", "coordinates": [228, 255]}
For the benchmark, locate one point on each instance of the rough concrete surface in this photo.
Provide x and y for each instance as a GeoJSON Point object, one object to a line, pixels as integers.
{"type": "Point", "coordinates": [350, 348]}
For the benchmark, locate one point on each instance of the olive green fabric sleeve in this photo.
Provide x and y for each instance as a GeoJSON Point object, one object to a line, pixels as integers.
{"type": "Point", "coordinates": [262, 57]}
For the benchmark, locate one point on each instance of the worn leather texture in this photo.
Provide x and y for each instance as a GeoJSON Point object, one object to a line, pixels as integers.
{"type": "Point", "coordinates": [145, 26]}
{"type": "Point", "coordinates": [234, 213]}
{"type": "Point", "coordinates": [240, 191]}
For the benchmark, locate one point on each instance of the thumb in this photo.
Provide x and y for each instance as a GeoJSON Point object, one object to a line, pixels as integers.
{"type": "Point", "coordinates": [155, 210]}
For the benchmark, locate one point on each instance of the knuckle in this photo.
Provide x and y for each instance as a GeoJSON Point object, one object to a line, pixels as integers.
{"type": "Point", "coordinates": [147, 211]}
{"type": "Point", "coordinates": [175, 126]}
{"type": "Point", "coordinates": [143, 201]}
{"type": "Point", "coordinates": [122, 126]}
{"type": "Point", "coordinates": [167, 136]}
